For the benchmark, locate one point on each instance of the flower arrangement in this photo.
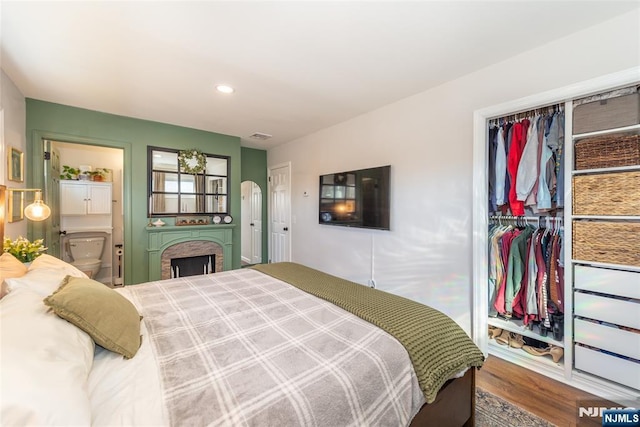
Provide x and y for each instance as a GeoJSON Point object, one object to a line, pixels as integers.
{"type": "Point", "coordinates": [23, 249]}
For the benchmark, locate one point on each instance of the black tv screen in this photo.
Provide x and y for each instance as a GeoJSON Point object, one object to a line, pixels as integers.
{"type": "Point", "coordinates": [357, 198]}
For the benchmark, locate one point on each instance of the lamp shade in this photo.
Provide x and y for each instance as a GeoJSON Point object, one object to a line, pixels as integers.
{"type": "Point", "coordinates": [37, 211]}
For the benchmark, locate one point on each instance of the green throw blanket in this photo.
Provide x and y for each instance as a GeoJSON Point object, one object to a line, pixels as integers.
{"type": "Point", "coordinates": [437, 346]}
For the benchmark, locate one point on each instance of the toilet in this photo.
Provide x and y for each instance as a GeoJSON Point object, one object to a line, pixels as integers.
{"type": "Point", "coordinates": [86, 253]}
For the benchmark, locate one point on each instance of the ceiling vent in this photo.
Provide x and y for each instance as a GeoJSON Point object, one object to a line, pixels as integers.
{"type": "Point", "coordinates": [260, 136]}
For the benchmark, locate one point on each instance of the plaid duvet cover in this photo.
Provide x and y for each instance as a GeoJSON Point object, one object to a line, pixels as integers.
{"type": "Point", "coordinates": [243, 348]}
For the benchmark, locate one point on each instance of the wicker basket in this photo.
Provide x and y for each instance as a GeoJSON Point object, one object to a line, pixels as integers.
{"type": "Point", "coordinates": [607, 242]}
{"type": "Point", "coordinates": [607, 151]}
{"type": "Point", "coordinates": [608, 113]}
{"type": "Point", "coordinates": [607, 194]}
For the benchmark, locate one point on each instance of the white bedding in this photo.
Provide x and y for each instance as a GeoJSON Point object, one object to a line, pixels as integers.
{"type": "Point", "coordinates": [129, 392]}
{"type": "Point", "coordinates": [126, 392]}
{"type": "Point", "coordinates": [111, 390]}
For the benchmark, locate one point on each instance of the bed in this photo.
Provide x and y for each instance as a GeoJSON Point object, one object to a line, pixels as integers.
{"type": "Point", "coordinates": [276, 345]}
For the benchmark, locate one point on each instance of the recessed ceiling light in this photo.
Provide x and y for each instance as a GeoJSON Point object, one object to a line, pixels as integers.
{"type": "Point", "coordinates": [225, 89]}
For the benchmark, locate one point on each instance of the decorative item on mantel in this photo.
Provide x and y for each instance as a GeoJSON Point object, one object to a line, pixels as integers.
{"type": "Point", "coordinates": [158, 223]}
{"type": "Point", "coordinates": [24, 250]}
{"type": "Point", "coordinates": [192, 220]}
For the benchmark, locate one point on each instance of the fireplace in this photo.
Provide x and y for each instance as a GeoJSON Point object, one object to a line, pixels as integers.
{"type": "Point", "coordinates": [165, 243]}
{"type": "Point", "coordinates": [193, 265]}
{"type": "Point", "coordinates": [191, 258]}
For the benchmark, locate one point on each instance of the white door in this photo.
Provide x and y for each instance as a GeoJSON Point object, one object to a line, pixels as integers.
{"type": "Point", "coordinates": [256, 223]}
{"type": "Point", "coordinates": [246, 230]}
{"type": "Point", "coordinates": [279, 213]}
{"type": "Point", "coordinates": [52, 197]}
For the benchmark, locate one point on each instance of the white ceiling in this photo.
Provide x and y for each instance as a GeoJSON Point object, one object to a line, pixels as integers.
{"type": "Point", "coordinates": [297, 66]}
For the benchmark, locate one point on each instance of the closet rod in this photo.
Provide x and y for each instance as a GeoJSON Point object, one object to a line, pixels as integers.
{"type": "Point", "coordinates": [530, 218]}
{"type": "Point", "coordinates": [524, 114]}
{"type": "Point", "coordinates": [539, 219]}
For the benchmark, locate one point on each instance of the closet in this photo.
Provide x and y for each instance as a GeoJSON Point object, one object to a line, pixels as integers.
{"type": "Point", "coordinates": [526, 235]}
{"type": "Point", "coordinates": [572, 301]}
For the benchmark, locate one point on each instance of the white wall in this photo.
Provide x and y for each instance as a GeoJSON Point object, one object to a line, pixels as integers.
{"type": "Point", "coordinates": [428, 140]}
{"type": "Point", "coordinates": [14, 111]}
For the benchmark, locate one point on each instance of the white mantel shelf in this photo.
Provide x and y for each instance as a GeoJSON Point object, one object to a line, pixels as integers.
{"type": "Point", "coordinates": [160, 238]}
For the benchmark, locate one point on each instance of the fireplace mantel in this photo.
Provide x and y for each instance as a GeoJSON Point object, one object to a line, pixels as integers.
{"type": "Point", "coordinates": [160, 238]}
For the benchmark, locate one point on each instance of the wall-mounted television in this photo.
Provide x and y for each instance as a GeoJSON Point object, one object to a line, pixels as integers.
{"type": "Point", "coordinates": [358, 198]}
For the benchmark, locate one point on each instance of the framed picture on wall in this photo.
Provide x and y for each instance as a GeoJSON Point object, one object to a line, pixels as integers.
{"type": "Point", "coordinates": [15, 167]}
{"type": "Point", "coordinates": [2, 195]}
{"type": "Point", "coordinates": [15, 206]}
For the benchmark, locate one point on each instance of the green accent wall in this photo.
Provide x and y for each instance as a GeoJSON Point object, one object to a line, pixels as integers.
{"type": "Point", "coordinates": [254, 168]}
{"type": "Point", "coordinates": [57, 122]}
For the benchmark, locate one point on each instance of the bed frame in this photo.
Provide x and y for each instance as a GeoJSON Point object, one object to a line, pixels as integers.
{"type": "Point", "coordinates": [455, 404]}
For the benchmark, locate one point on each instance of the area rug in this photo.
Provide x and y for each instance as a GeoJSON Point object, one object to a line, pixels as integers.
{"type": "Point", "coordinates": [492, 411]}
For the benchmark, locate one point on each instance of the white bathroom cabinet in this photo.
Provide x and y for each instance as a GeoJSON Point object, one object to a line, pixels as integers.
{"type": "Point", "coordinates": [85, 198]}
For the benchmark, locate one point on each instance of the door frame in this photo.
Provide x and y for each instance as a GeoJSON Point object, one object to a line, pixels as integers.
{"type": "Point", "coordinates": [36, 180]}
{"type": "Point", "coordinates": [270, 193]}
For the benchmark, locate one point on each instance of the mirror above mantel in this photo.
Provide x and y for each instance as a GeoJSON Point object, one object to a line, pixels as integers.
{"type": "Point", "coordinates": [187, 182]}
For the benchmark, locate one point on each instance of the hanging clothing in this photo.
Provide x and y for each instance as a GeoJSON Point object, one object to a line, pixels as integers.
{"type": "Point", "coordinates": [515, 272]}
{"type": "Point", "coordinates": [544, 195]}
{"type": "Point", "coordinates": [493, 132]}
{"type": "Point", "coordinates": [528, 166]}
{"type": "Point", "coordinates": [525, 275]}
{"type": "Point", "coordinates": [516, 147]}
{"type": "Point", "coordinates": [505, 248]}
{"type": "Point", "coordinates": [500, 174]}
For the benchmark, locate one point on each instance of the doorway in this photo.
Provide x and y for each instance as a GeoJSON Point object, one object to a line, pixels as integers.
{"type": "Point", "coordinates": [251, 223]}
{"type": "Point", "coordinates": [101, 168]}
{"type": "Point", "coordinates": [280, 213]}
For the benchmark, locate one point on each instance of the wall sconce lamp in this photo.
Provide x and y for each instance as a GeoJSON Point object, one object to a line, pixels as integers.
{"type": "Point", "coordinates": [36, 211]}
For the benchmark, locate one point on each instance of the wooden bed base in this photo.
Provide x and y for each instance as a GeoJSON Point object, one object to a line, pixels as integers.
{"type": "Point", "coordinates": [455, 404]}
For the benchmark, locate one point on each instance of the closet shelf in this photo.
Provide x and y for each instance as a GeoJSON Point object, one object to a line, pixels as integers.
{"type": "Point", "coordinates": [607, 132]}
{"type": "Point", "coordinates": [519, 328]}
{"type": "Point", "coordinates": [609, 217]}
{"type": "Point", "coordinates": [519, 356]}
{"type": "Point", "coordinates": [605, 170]}
{"type": "Point", "coordinates": [607, 265]}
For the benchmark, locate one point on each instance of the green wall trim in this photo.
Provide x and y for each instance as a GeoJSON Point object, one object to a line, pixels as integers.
{"type": "Point", "coordinates": [254, 168]}
{"type": "Point", "coordinates": [70, 124]}
{"type": "Point", "coordinates": [36, 158]}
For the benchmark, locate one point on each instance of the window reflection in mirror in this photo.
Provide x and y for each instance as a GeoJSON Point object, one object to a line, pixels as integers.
{"type": "Point", "coordinates": [174, 192]}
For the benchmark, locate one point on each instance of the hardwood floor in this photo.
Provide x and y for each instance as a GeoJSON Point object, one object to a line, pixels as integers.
{"type": "Point", "coordinates": [549, 399]}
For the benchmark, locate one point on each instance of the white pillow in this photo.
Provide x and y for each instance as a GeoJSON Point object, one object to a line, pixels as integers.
{"type": "Point", "coordinates": [48, 261]}
{"type": "Point", "coordinates": [45, 275]}
{"type": "Point", "coordinates": [45, 364]}
{"type": "Point", "coordinates": [43, 281]}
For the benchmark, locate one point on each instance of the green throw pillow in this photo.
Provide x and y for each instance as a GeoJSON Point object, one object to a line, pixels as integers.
{"type": "Point", "coordinates": [109, 318]}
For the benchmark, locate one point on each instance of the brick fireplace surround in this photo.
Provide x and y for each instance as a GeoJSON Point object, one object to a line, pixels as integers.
{"type": "Point", "coordinates": [190, 249]}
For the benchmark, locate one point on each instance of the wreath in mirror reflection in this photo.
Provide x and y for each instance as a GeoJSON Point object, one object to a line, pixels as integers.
{"type": "Point", "coordinates": [186, 160]}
